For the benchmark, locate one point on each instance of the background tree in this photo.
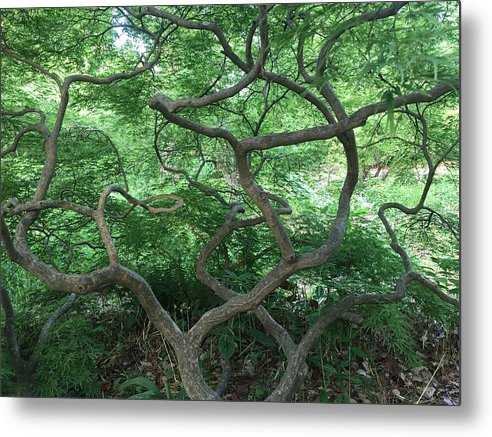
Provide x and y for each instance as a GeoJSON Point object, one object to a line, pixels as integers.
{"type": "Point", "coordinates": [254, 110]}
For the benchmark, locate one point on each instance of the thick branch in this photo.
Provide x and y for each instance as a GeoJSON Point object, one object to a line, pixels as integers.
{"type": "Point", "coordinates": [48, 168]}
{"type": "Point", "coordinates": [197, 25]}
{"type": "Point", "coordinates": [12, 207]}
{"type": "Point", "coordinates": [276, 330]}
{"type": "Point", "coordinates": [251, 75]}
{"type": "Point", "coordinates": [244, 66]}
{"type": "Point", "coordinates": [261, 199]}
{"type": "Point", "coordinates": [357, 119]}
{"type": "Point", "coordinates": [161, 102]}
{"type": "Point", "coordinates": [339, 309]}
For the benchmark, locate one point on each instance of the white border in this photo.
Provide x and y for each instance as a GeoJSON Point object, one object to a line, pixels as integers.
{"type": "Point", "coordinates": [132, 418]}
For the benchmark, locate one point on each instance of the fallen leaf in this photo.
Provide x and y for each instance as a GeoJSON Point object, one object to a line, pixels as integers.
{"type": "Point", "coordinates": [429, 392]}
{"type": "Point", "coordinates": [447, 400]}
{"type": "Point", "coordinates": [396, 392]}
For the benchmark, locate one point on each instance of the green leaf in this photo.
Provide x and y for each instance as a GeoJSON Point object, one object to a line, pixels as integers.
{"type": "Point", "coordinates": [146, 395]}
{"type": "Point", "coordinates": [141, 381]}
{"type": "Point", "coordinates": [390, 102]}
{"type": "Point", "coordinates": [227, 346]}
{"type": "Point", "coordinates": [263, 338]}
{"type": "Point", "coordinates": [323, 397]}
{"type": "Point", "coordinates": [230, 273]}
{"type": "Point", "coordinates": [330, 370]}
{"type": "Point", "coordinates": [358, 352]}
{"type": "Point", "coordinates": [168, 391]}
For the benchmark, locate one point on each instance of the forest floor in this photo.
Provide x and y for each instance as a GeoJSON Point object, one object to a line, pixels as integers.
{"type": "Point", "coordinates": [380, 378]}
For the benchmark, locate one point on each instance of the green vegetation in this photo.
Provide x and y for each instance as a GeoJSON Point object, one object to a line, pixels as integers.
{"type": "Point", "coordinates": [231, 202]}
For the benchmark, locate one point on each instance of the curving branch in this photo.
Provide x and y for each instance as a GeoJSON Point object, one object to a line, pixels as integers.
{"type": "Point", "coordinates": [161, 103]}
{"type": "Point", "coordinates": [145, 204]}
{"type": "Point", "coordinates": [196, 25]}
{"type": "Point", "coordinates": [235, 59]}
{"type": "Point", "coordinates": [13, 207]}
{"type": "Point", "coordinates": [350, 24]}
{"type": "Point", "coordinates": [207, 190]}
{"type": "Point", "coordinates": [39, 68]}
{"type": "Point", "coordinates": [262, 201]}
{"type": "Point", "coordinates": [41, 114]}
{"type": "Point", "coordinates": [18, 137]}
{"type": "Point", "coordinates": [39, 127]}
{"type": "Point", "coordinates": [358, 118]}
{"type": "Point", "coordinates": [18, 249]}
{"type": "Point", "coordinates": [415, 210]}
{"type": "Point", "coordinates": [101, 222]}
{"type": "Point", "coordinates": [271, 326]}
{"type": "Point", "coordinates": [226, 93]}
{"type": "Point", "coordinates": [339, 309]}
{"type": "Point", "coordinates": [290, 263]}
{"type": "Point", "coordinates": [146, 65]}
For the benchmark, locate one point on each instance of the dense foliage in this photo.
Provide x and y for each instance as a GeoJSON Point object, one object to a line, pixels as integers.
{"type": "Point", "coordinates": [332, 128]}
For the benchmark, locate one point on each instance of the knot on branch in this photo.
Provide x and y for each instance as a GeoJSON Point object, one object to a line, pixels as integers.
{"type": "Point", "coordinates": [142, 203]}
{"type": "Point", "coordinates": [161, 102]}
{"type": "Point", "coordinates": [10, 205]}
{"type": "Point", "coordinates": [236, 209]}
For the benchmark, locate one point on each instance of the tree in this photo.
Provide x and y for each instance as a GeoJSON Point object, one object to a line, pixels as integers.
{"type": "Point", "coordinates": [332, 67]}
